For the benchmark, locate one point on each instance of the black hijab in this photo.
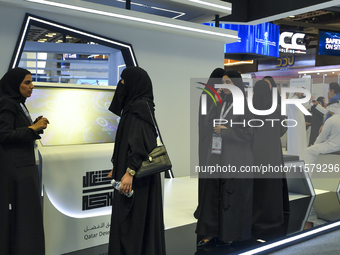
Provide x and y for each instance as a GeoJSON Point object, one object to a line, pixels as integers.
{"type": "Point", "coordinates": [273, 83]}
{"type": "Point", "coordinates": [271, 80]}
{"type": "Point", "coordinates": [236, 78]}
{"type": "Point", "coordinates": [262, 98]}
{"type": "Point", "coordinates": [215, 78]}
{"type": "Point", "coordinates": [137, 85]}
{"type": "Point", "coordinates": [10, 84]}
{"type": "Point", "coordinates": [216, 74]}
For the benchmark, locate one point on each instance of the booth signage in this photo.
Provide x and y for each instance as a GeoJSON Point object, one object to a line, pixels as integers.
{"type": "Point", "coordinates": [295, 45]}
{"type": "Point", "coordinates": [329, 43]}
{"type": "Point", "coordinates": [285, 61]}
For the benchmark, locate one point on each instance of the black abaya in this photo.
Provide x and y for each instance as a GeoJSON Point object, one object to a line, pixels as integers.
{"type": "Point", "coordinates": [204, 132]}
{"type": "Point", "coordinates": [21, 220]}
{"type": "Point", "coordinates": [226, 204]}
{"type": "Point", "coordinates": [270, 194]}
{"type": "Point", "coordinates": [137, 222]}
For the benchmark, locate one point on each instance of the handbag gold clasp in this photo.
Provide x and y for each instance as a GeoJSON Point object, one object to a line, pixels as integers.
{"type": "Point", "coordinates": [150, 158]}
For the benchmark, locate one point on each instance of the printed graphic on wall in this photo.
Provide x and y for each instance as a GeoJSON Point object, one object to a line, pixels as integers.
{"type": "Point", "coordinates": [97, 190]}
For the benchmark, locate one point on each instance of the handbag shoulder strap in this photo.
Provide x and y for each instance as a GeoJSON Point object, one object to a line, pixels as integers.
{"type": "Point", "coordinates": [155, 123]}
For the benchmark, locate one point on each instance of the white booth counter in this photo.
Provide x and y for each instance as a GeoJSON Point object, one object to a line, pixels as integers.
{"type": "Point", "coordinates": [77, 196]}
{"type": "Point", "coordinates": [76, 150]}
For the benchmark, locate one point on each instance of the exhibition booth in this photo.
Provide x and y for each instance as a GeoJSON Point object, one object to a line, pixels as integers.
{"type": "Point", "coordinates": [72, 89]}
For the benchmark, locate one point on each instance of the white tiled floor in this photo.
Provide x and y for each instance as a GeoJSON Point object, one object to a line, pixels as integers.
{"type": "Point", "coordinates": [180, 201]}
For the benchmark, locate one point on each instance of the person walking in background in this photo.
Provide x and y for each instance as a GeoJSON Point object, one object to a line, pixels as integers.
{"type": "Point", "coordinates": [21, 219]}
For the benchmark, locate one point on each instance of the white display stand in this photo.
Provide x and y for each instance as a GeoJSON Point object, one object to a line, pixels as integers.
{"type": "Point", "coordinates": [75, 183]}
{"type": "Point", "coordinates": [302, 82]}
{"type": "Point", "coordinates": [76, 150]}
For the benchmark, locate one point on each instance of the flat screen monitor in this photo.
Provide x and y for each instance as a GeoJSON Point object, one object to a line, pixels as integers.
{"type": "Point", "coordinates": [77, 115]}
{"type": "Point", "coordinates": [261, 39]}
{"type": "Point", "coordinates": [329, 43]}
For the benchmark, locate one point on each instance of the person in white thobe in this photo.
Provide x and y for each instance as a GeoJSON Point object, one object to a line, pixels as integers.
{"type": "Point", "coordinates": [328, 140]}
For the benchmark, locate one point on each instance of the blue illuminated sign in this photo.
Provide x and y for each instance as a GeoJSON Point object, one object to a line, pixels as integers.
{"type": "Point", "coordinates": [329, 43]}
{"type": "Point", "coordinates": [261, 39]}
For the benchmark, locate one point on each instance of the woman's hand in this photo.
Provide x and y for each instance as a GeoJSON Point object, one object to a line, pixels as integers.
{"type": "Point", "coordinates": [126, 184]}
{"type": "Point", "coordinates": [217, 129]}
{"type": "Point", "coordinates": [41, 123]}
{"type": "Point", "coordinates": [110, 174]}
{"type": "Point", "coordinates": [37, 119]}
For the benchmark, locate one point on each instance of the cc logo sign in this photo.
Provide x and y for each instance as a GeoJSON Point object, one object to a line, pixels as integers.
{"type": "Point", "coordinates": [294, 37]}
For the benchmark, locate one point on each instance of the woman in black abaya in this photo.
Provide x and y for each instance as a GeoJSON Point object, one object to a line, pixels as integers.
{"type": "Point", "coordinates": [226, 203]}
{"type": "Point", "coordinates": [137, 225]}
{"type": "Point", "coordinates": [205, 132]}
{"type": "Point", "coordinates": [21, 220]}
{"type": "Point", "coordinates": [271, 192]}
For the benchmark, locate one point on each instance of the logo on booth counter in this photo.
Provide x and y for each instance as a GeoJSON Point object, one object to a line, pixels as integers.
{"type": "Point", "coordinates": [97, 190]}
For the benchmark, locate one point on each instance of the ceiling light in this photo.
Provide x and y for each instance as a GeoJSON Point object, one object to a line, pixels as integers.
{"type": "Point", "coordinates": [320, 71]}
{"type": "Point", "coordinates": [240, 63]}
{"type": "Point", "coordinates": [213, 5]}
{"type": "Point", "coordinates": [198, 29]}
{"type": "Point", "coordinates": [180, 14]}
